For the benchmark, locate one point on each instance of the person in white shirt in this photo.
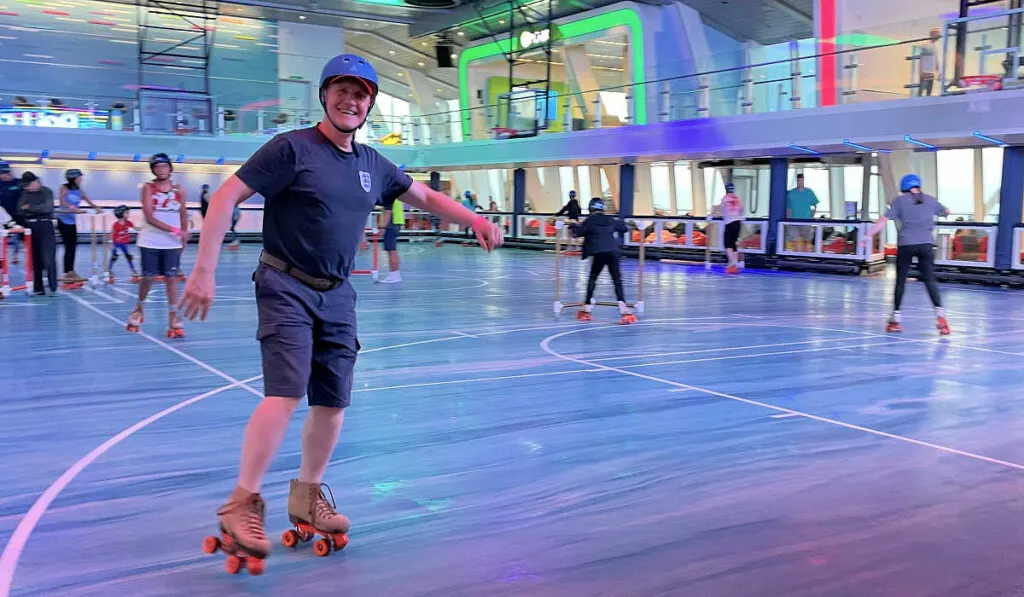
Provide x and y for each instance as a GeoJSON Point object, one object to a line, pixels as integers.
{"type": "Point", "coordinates": [162, 236]}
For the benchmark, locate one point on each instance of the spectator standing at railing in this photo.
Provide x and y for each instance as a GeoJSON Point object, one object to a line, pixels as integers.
{"type": "Point", "coordinates": [928, 63]}
{"type": "Point", "coordinates": [801, 203]}
{"type": "Point", "coordinates": [36, 208]}
{"type": "Point", "coordinates": [10, 192]}
{"type": "Point", "coordinates": [914, 214]}
{"type": "Point", "coordinates": [71, 196]}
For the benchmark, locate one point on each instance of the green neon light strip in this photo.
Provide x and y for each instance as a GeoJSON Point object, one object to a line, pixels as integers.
{"type": "Point", "coordinates": [625, 17]}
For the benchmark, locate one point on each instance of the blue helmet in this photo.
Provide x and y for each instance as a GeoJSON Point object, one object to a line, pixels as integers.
{"type": "Point", "coordinates": [349, 65]}
{"type": "Point", "coordinates": [730, 188]}
{"type": "Point", "coordinates": [909, 182]}
{"type": "Point", "coordinates": [596, 204]}
{"type": "Point", "coordinates": [5, 168]}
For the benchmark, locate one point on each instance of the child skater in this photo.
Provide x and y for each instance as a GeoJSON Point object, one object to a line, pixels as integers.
{"type": "Point", "coordinates": [598, 232]}
{"type": "Point", "coordinates": [732, 212]}
{"type": "Point", "coordinates": [914, 214]}
{"type": "Point", "coordinates": [121, 237]}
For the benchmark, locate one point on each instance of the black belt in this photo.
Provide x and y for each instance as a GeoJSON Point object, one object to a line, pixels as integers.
{"type": "Point", "coordinates": [315, 283]}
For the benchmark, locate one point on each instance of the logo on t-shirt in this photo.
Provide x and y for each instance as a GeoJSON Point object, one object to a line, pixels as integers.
{"type": "Point", "coordinates": [364, 180]}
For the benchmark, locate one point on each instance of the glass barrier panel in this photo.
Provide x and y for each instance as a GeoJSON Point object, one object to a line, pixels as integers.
{"type": "Point", "coordinates": [1018, 249]}
{"type": "Point", "coordinates": [965, 244]}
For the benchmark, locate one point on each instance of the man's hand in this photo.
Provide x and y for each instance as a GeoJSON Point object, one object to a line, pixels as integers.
{"type": "Point", "coordinates": [199, 292]}
{"type": "Point", "coordinates": [488, 235]}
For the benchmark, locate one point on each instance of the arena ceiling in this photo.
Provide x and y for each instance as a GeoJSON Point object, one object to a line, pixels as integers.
{"type": "Point", "coordinates": [399, 34]}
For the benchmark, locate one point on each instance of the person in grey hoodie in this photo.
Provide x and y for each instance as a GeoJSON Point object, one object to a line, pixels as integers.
{"type": "Point", "coordinates": [35, 206]}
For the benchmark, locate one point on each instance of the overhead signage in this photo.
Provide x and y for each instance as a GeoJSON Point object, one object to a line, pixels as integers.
{"type": "Point", "coordinates": [50, 118]}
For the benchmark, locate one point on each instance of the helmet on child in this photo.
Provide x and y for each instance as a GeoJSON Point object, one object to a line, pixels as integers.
{"type": "Point", "coordinates": [348, 65]}
{"type": "Point", "coordinates": [596, 204]}
{"type": "Point", "coordinates": [120, 210]}
{"type": "Point", "coordinates": [72, 174]}
{"type": "Point", "coordinates": [910, 181]}
{"type": "Point", "coordinates": [5, 168]}
{"type": "Point", "coordinates": [160, 158]}
{"type": "Point", "coordinates": [730, 188]}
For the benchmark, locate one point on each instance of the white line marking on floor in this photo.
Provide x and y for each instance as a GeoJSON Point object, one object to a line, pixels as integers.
{"type": "Point", "coordinates": [545, 345]}
{"type": "Point", "coordinates": [785, 415]}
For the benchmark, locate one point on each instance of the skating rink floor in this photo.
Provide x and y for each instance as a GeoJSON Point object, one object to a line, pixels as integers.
{"type": "Point", "coordinates": [751, 435]}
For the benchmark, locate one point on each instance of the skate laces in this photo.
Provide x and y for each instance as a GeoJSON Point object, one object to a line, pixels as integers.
{"type": "Point", "coordinates": [251, 517]}
{"type": "Point", "coordinates": [324, 509]}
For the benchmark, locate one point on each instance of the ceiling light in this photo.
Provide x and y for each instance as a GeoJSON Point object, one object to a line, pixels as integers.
{"type": "Point", "coordinates": [439, 90]}
{"type": "Point", "coordinates": [461, 33]}
{"type": "Point", "coordinates": [420, 64]}
{"type": "Point", "coordinates": [501, 21]}
{"type": "Point", "coordinates": [399, 74]}
{"type": "Point", "coordinates": [302, 17]}
{"type": "Point", "coordinates": [392, 52]}
{"type": "Point", "coordinates": [423, 43]}
{"type": "Point", "coordinates": [454, 56]}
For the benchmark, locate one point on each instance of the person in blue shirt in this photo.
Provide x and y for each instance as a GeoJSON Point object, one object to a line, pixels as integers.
{"type": "Point", "coordinates": [71, 196]}
{"type": "Point", "coordinates": [914, 214]}
{"type": "Point", "coordinates": [319, 187]}
{"type": "Point", "coordinates": [801, 204]}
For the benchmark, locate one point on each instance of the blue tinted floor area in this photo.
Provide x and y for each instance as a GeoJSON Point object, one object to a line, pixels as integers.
{"type": "Point", "coordinates": [750, 435]}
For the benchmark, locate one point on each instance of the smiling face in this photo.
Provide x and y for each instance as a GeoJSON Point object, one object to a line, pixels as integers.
{"type": "Point", "coordinates": [162, 171]}
{"type": "Point", "coordinates": [347, 100]}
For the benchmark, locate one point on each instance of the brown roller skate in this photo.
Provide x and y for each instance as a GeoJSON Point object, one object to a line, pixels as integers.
{"type": "Point", "coordinates": [175, 329]}
{"type": "Point", "coordinates": [135, 320]}
{"type": "Point", "coordinates": [312, 514]}
{"type": "Point", "coordinates": [242, 535]}
{"type": "Point", "coordinates": [942, 326]}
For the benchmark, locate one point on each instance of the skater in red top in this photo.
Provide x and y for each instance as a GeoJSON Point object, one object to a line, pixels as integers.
{"type": "Point", "coordinates": [121, 237]}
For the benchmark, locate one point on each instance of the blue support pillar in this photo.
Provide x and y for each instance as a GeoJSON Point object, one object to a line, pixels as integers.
{"type": "Point", "coordinates": [627, 175]}
{"type": "Point", "coordinates": [435, 181]}
{"type": "Point", "coordinates": [1011, 197]}
{"type": "Point", "coordinates": [518, 198]}
{"type": "Point", "coordinates": [779, 172]}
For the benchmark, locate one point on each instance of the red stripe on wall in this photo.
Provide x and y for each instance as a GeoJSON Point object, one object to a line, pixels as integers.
{"type": "Point", "coordinates": [827, 64]}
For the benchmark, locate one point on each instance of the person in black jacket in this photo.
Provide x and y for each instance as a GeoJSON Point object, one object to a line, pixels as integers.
{"type": "Point", "coordinates": [35, 206]}
{"type": "Point", "coordinates": [599, 241]}
{"type": "Point", "coordinates": [572, 209]}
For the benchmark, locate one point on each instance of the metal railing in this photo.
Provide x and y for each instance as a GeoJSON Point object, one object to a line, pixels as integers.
{"type": "Point", "coordinates": [880, 72]}
{"type": "Point", "coordinates": [1017, 262]}
{"type": "Point", "coordinates": [695, 234]}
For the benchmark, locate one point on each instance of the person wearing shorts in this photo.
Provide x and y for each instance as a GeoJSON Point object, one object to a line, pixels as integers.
{"type": "Point", "coordinates": [731, 211]}
{"type": "Point", "coordinates": [394, 219]}
{"type": "Point", "coordinates": [801, 203]}
{"type": "Point", "coordinates": [319, 188]}
{"type": "Point", "coordinates": [162, 236]}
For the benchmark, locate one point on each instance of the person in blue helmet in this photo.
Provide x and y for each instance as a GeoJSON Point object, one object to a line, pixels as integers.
{"type": "Point", "coordinates": [319, 187]}
{"type": "Point", "coordinates": [914, 213]}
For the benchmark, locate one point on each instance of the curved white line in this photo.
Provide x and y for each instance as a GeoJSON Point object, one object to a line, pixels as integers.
{"type": "Point", "coordinates": [15, 545]}
{"type": "Point", "coordinates": [545, 345]}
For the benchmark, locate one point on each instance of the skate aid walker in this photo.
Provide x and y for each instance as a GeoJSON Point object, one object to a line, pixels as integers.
{"type": "Point", "coordinates": [574, 250]}
{"type": "Point", "coordinates": [370, 231]}
{"type": "Point", "coordinates": [98, 275]}
{"type": "Point", "coordinates": [5, 280]}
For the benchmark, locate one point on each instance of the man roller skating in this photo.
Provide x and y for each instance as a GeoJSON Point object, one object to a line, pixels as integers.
{"type": "Point", "coordinates": [599, 242]}
{"type": "Point", "coordinates": [319, 187]}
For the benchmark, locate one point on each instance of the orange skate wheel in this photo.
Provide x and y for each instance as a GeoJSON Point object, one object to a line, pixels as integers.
{"type": "Point", "coordinates": [340, 541]}
{"type": "Point", "coordinates": [233, 564]}
{"type": "Point", "coordinates": [211, 545]}
{"type": "Point", "coordinates": [290, 538]}
{"type": "Point", "coordinates": [322, 547]}
{"type": "Point", "coordinates": [255, 566]}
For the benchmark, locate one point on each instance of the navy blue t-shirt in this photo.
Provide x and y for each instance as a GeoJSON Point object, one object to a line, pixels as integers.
{"type": "Point", "coordinates": [317, 198]}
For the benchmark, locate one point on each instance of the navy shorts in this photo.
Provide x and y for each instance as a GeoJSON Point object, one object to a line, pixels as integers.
{"type": "Point", "coordinates": [160, 262]}
{"type": "Point", "coordinates": [391, 237]}
{"type": "Point", "coordinates": [307, 338]}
